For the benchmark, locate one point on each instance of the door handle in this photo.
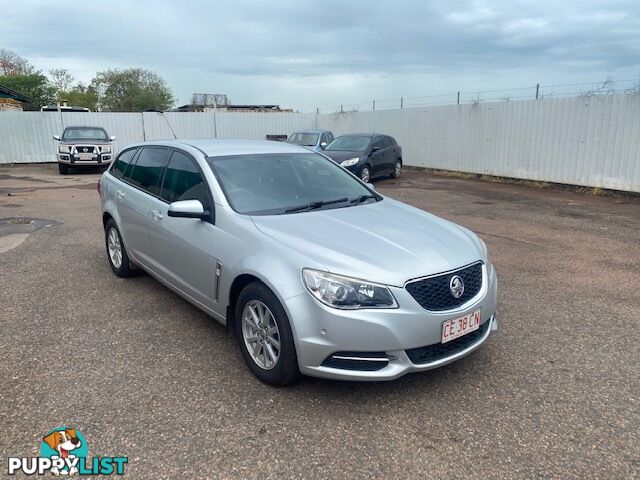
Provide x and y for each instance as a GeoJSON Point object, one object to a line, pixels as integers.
{"type": "Point", "coordinates": [156, 214]}
{"type": "Point", "coordinates": [120, 194]}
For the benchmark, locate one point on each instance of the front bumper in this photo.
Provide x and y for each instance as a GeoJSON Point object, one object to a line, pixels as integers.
{"type": "Point", "coordinates": [382, 335]}
{"type": "Point", "coordinates": [99, 159]}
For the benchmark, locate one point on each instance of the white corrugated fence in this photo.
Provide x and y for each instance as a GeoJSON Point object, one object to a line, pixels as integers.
{"type": "Point", "coordinates": [591, 141]}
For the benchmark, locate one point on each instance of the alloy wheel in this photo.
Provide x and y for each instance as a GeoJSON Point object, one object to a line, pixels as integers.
{"type": "Point", "coordinates": [261, 334]}
{"type": "Point", "coordinates": [115, 247]}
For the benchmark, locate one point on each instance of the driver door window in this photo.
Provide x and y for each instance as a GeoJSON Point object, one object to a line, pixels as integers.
{"type": "Point", "coordinates": [183, 181]}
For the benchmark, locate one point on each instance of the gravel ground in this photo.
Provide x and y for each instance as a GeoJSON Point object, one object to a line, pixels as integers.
{"type": "Point", "coordinates": [142, 373]}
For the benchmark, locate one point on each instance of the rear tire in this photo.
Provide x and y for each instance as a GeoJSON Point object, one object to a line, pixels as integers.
{"type": "Point", "coordinates": [261, 324]}
{"type": "Point", "coordinates": [116, 252]}
{"type": "Point", "coordinates": [63, 168]}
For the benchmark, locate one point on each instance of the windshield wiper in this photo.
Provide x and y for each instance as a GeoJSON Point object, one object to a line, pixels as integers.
{"type": "Point", "coordinates": [362, 198]}
{"type": "Point", "coordinates": [314, 205]}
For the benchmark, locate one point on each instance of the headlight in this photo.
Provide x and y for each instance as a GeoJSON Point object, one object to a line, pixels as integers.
{"type": "Point", "coordinates": [64, 149]}
{"type": "Point", "coordinates": [350, 163]}
{"type": "Point", "coordinates": [106, 149]}
{"type": "Point", "coordinates": [347, 293]}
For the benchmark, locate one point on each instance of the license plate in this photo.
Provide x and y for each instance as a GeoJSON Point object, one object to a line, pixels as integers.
{"type": "Point", "coordinates": [457, 327]}
{"type": "Point", "coordinates": [85, 156]}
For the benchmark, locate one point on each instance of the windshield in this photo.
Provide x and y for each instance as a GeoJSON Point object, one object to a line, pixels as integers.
{"type": "Point", "coordinates": [351, 142]}
{"type": "Point", "coordinates": [268, 184]}
{"type": "Point", "coordinates": [83, 134]}
{"type": "Point", "coordinates": [305, 139]}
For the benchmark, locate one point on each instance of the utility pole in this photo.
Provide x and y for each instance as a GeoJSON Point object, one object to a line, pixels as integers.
{"type": "Point", "coordinates": [374, 105]}
{"type": "Point", "coordinates": [401, 102]}
{"type": "Point", "coordinates": [458, 97]}
{"type": "Point", "coordinates": [537, 90]}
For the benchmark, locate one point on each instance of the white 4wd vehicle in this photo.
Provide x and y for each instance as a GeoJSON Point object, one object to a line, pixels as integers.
{"type": "Point", "coordinates": [84, 146]}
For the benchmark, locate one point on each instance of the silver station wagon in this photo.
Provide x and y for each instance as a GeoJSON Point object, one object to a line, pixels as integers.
{"type": "Point", "coordinates": [315, 271]}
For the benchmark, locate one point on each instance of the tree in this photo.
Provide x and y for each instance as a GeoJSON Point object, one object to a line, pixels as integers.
{"type": "Point", "coordinates": [13, 64]}
{"type": "Point", "coordinates": [34, 85]}
{"type": "Point", "coordinates": [131, 90]}
{"type": "Point", "coordinates": [61, 79]}
{"type": "Point", "coordinates": [80, 96]}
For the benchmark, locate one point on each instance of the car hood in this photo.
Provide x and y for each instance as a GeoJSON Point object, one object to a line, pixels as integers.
{"type": "Point", "coordinates": [341, 155]}
{"type": "Point", "coordinates": [386, 242]}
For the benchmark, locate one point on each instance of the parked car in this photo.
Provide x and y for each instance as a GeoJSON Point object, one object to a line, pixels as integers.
{"type": "Point", "coordinates": [82, 147]}
{"type": "Point", "coordinates": [315, 271]}
{"type": "Point", "coordinates": [315, 139]}
{"type": "Point", "coordinates": [367, 155]}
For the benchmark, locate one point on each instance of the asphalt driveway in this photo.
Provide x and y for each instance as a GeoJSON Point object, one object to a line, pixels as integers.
{"type": "Point", "coordinates": [555, 393]}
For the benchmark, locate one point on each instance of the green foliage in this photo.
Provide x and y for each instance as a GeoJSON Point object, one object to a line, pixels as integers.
{"type": "Point", "coordinates": [80, 96]}
{"type": "Point", "coordinates": [34, 85]}
{"type": "Point", "coordinates": [62, 80]}
{"type": "Point", "coordinates": [131, 90]}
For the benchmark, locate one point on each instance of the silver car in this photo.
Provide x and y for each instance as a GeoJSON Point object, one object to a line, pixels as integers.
{"type": "Point", "coordinates": [316, 140]}
{"type": "Point", "coordinates": [315, 271]}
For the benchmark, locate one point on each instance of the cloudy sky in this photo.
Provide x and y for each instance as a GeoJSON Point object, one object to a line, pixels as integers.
{"type": "Point", "coordinates": [304, 54]}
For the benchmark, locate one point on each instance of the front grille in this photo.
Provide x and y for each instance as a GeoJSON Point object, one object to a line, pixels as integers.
{"type": "Point", "coordinates": [433, 293]}
{"type": "Point", "coordinates": [81, 148]}
{"type": "Point", "coordinates": [432, 353]}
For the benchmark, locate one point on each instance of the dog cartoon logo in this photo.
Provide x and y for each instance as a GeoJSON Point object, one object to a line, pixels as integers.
{"type": "Point", "coordinates": [64, 443]}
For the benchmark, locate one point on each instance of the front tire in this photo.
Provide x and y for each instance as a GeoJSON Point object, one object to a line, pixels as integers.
{"type": "Point", "coordinates": [365, 174]}
{"type": "Point", "coordinates": [116, 252]}
{"type": "Point", "coordinates": [63, 168]}
{"type": "Point", "coordinates": [264, 336]}
{"type": "Point", "coordinates": [397, 169]}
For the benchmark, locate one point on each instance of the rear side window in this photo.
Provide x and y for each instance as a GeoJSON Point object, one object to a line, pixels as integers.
{"type": "Point", "coordinates": [183, 181]}
{"type": "Point", "coordinates": [122, 162]}
{"type": "Point", "coordinates": [147, 172]}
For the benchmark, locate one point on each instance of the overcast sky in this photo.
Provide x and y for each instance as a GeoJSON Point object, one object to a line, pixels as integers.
{"type": "Point", "coordinates": [304, 54]}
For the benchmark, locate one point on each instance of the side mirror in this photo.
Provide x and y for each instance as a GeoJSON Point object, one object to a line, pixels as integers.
{"type": "Point", "coordinates": [323, 145]}
{"type": "Point", "coordinates": [112, 138]}
{"type": "Point", "coordinates": [375, 149]}
{"type": "Point", "coordinates": [187, 209]}
{"type": "Point", "coordinates": [56, 137]}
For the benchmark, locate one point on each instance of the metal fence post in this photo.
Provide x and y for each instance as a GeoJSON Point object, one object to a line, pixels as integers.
{"type": "Point", "coordinates": [341, 109]}
{"type": "Point", "coordinates": [401, 102]}
{"type": "Point", "coordinates": [537, 90]}
{"type": "Point", "coordinates": [374, 105]}
{"type": "Point", "coordinates": [458, 98]}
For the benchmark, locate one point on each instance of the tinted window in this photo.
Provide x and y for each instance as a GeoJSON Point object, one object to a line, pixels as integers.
{"type": "Point", "coordinates": [387, 142]}
{"type": "Point", "coordinates": [378, 142]}
{"type": "Point", "coordinates": [122, 162]}
{"type": "Point", "coordinates": [183, 181]}
{"type": "Point", "coordinates": [350, 142]}
{"type": "Point", "coordinates": [147, 172]}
